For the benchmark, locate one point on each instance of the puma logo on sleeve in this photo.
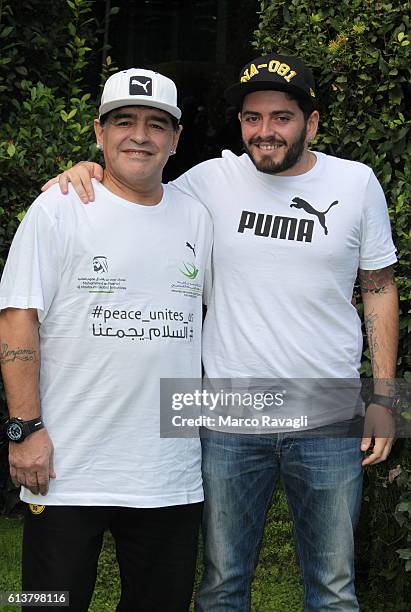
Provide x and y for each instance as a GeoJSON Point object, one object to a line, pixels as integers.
{"type": "Point", "coordinates": [300, 203]}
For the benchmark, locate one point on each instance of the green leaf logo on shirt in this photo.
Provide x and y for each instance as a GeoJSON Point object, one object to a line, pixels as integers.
{"type": "Point", "coordinates": [190, 271]}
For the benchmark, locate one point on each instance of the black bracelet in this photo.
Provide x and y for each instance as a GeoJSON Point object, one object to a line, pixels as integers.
{"type": "Point", "coordinates": [390, 402]}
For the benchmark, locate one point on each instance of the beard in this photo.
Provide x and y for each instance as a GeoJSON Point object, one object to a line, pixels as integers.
{"type": "Point", "coordinates": [292, 155]}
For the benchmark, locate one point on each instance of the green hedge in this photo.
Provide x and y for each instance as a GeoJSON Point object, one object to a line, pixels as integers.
{"type": "Point", "coordinates": [360, 54]}
{"type": "Point", "coordinates": [43, 129]}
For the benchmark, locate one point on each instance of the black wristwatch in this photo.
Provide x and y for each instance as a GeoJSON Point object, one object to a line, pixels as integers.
{"type": "Point", "coordinates": [391, 402]}
{"type": "Point", "coordinates": [17, 430]}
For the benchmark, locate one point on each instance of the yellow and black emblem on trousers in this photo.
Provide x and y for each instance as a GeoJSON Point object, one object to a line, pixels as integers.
{"type": "Point", "coordinates": [36, 509]}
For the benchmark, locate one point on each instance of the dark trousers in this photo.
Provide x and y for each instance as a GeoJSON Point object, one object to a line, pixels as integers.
{"type": "Point", "coordinates": [156, 550]}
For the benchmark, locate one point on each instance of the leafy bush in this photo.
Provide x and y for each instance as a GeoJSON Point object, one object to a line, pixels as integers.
{"type": "Point", "coordinates": [360, 54]}
{"type": "Point", "coordinates": [44, 125]}
{"type": "Point", "coordinates": [43, 128]}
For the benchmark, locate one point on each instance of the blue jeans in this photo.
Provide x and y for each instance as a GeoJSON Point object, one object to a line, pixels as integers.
{"type": "Point", "coordinates": [322, 478]}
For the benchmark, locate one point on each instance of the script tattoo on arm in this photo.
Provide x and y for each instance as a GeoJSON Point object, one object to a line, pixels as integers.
{"type": "Point", "coordinates": [18, 354]}
{"type": "Point", "coordinates": [376, 281]}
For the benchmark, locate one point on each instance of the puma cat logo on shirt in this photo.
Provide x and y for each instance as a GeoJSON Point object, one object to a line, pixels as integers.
{"type": "Point", "coordinates": [300, 203]}
{"type": "Point", "coordinates": [188, 245]}
{"type": "Point", "coordinates": [284, 228]}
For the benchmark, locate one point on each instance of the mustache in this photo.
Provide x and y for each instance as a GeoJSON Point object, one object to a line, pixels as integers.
{"type": "Point", "coordinates": [268, 141]}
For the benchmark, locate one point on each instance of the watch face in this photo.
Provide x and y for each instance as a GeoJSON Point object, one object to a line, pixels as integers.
{"type": "Point", "coordinates": [14, 432]}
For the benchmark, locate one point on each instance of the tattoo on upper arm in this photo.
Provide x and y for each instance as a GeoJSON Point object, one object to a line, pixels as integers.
{"type": "Point", "coordinates": [370, 324]}
{"type": "Point", "coordinates": [19, 354]}
{"type": "Point", "coordinates": [376, 281]}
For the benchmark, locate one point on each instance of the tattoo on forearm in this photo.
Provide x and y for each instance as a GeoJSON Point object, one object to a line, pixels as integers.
{"type": "Point", "coordinates": [370, 325]}
{"type": "Point", "coordinates": [376, 281]}
{"type": "Point", "coordinates": [19, 354]}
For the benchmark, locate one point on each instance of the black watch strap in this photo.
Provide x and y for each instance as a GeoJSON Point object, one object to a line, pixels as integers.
{"type": "Point", "coordinates": [388, 401]}
{"type": "Point", "coordinates": [17, 429]}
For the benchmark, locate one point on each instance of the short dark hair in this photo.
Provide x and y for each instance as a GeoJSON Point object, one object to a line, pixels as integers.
{"type": "Point", "coordinates": [305, 105]}
{"type": "Point", "coordinates": [174, 120]}
{"type": "Point", "coordinates": [103, 119]}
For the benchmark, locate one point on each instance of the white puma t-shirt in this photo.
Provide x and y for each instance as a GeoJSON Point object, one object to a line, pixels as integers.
{"type": "Point", "coordinates": [286, 254]}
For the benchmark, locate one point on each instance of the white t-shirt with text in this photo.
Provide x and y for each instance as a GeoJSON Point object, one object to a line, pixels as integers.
{"type": "Point", "coordinates": [118, 289]}
{"type": "Point", "coordinates": [286, 254]}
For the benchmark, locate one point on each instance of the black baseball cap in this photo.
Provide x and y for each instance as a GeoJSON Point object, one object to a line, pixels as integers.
{"type": "Point", "coordinates": [273, 72]}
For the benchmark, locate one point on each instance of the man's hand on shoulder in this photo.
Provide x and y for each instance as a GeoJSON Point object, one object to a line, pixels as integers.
{"type": "Point", "coordinates": [80, 176]}
{"type": "Point", "coordinates": [31, 462]}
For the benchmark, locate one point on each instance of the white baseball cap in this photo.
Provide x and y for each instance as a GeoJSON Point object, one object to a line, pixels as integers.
{"type": "Point", "coordinates": [139, 87]}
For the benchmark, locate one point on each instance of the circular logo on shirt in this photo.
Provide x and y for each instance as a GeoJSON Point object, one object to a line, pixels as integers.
{"type": "Point", "coordinates": [36, 509]}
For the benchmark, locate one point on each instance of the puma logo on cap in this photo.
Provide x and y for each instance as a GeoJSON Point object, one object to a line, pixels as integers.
{"type": "Point", "coordinates": [141, 87]}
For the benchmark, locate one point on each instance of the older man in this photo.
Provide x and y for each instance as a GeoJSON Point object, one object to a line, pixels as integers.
{"type": "Point", "coordinates": [96, 308]}
{"type": "Point", "coordinates": [292, 228]}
